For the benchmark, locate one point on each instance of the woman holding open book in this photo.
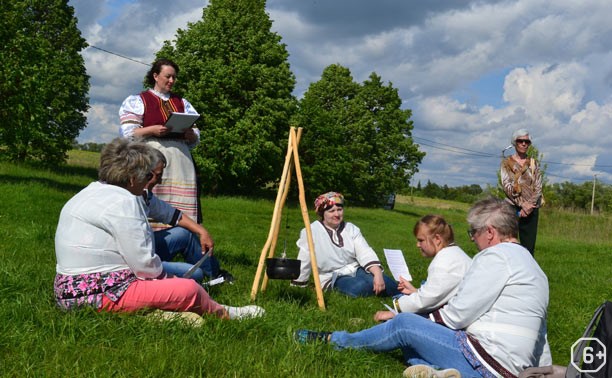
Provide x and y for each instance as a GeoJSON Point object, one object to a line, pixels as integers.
{"type": "Point", "coordinates": [344, 259]}
{"type": "Point", "coordinates": [143, 116]}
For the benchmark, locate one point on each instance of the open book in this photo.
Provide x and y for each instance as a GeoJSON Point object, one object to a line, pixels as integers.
{"type": "Point", "coordinates": [179, 122]}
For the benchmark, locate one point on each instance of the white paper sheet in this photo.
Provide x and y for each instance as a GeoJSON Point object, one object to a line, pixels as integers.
{"type": "Point", "coordinates": [397, 264]}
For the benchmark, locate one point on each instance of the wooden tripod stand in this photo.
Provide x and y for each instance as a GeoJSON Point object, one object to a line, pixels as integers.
{"type": "Point", "coordinates": [283, 190]}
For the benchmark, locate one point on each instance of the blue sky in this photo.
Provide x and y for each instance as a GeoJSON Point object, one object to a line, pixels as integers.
{"type": "Point", "coordinates": [472, 72]}
{"type": "Point", "coordinates": [486, 90]}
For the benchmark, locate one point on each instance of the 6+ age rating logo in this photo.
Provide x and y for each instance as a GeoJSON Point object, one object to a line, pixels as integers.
{"type": "Point", "coordinates": [594, 360]}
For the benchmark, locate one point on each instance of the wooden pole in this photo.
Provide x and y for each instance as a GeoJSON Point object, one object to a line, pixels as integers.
{"type": "Point", "coordinates": [275, 220]}
{"type": "Point", "coordinates": [285, 191]}
{"type": "Point", "coordinates": [304, 208]}
{"type": "Point", "coordinates": [593, 195]}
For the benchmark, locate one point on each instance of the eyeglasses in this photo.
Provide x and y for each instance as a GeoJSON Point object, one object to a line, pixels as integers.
{"type": "Point", "coordinates": [523, 141]}
{"type": "Point", "coordinates": [472, 232]}
{"type": "Point", "coordinates": [152, 174]}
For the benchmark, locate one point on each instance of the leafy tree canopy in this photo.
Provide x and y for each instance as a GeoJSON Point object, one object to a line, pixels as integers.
{"type": "Point", "coordinates": [235, 72]}
{"type": "Point", "coordinates": [44, 84]}
{"type": "Point", "coordinates": [356, 139]}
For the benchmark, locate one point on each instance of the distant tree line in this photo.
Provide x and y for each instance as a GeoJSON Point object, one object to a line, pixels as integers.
{"type": "Point", "coordinates": [566, 195]}
{"type": "Point", "coordinates": [89, 146]}
{"type": "Point", "coordinates": [465, 193]}
{"type": "Point", "coordinates": [579, 197]}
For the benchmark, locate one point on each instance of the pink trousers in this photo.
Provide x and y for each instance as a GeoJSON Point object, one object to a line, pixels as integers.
{"type": "Point", "coordinates": [170, 294]}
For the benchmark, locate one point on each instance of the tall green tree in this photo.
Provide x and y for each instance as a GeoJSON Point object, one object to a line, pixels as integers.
{"type": "Point", "coordinates": [235, 72]}
{"type": "Point", "coordinates": [43, 91]}
{"type": "Point", "coordinates": [356, 138]}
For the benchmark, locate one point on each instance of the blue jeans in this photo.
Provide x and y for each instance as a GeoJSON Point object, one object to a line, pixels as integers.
{"type": "Point", "coordinates": [178, 240]}
{"type": "Point", "coordinates": [421, 340]}
{"type": "Point", "coordinates": [362, 285]}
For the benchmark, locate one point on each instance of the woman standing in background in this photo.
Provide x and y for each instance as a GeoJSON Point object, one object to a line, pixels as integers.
{"type": "Point", "coordinates": [522, 182]}
{"type": "Point", "coordinates": [143, 117]}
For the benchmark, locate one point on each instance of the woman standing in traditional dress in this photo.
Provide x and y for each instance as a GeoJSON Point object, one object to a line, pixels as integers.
{"type": "Point", "coordinates": [522, 182]}
{"type": "Point", "coordinates": [143, 116]}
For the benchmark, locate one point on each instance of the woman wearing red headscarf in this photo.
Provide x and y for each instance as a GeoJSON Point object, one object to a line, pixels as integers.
{"type": "Point", "coordinates": [345, 260]}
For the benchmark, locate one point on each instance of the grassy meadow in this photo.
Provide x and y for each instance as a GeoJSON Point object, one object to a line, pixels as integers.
{"type": "Point", "coordinates": [37, 339]}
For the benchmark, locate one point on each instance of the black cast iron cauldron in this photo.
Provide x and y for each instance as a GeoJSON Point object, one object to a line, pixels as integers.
{"type": "Point", "coordinates": [282, 269]}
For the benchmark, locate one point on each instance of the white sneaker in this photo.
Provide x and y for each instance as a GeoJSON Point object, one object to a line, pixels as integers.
{"type": "Point", "coordinates": [189, 318]}
{"type": "Point", "coordinates": [424, 371]}
{"type": "Point", "coordinates": [244, 312]}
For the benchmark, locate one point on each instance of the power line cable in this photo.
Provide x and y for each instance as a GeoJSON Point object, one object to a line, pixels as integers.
{"type": "Point", "coordinates": [483, 154]}
{"type": "Point", "coordinates": [119, 55]}
{"type": "Point", "coordinates": [479, 153]}
{"type": "Point", "coordinates": [474, 153]}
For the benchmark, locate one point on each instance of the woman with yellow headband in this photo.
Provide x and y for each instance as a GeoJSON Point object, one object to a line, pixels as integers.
{"type": "Point", "coordinates": [345, 260]}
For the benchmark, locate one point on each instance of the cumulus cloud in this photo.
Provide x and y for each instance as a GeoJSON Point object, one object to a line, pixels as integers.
{"type": "Point", "coordinates": [103, 123]}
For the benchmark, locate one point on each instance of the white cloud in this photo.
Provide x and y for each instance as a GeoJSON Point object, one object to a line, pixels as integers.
{"type": "Point", "coordinates": [103, 122]}
{"type": "Point", "coordinates": [543, 91]}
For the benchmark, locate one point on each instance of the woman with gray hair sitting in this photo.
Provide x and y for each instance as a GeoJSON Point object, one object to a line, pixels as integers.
{"type": "Point", "coordinates": [104, 246]}
{"type": "Point", "coordinates": [522, 182]}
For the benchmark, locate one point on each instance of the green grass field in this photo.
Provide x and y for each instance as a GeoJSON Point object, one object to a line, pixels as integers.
{"type": "Point", "coordinates": [37, 339]}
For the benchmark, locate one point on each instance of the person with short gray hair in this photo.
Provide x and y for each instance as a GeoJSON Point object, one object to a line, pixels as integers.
{"type": "Point", "coordinates": [521, 180]}
{"type": "Point", "coordinates": [494, 213]}
{"type": "Point", "coordinates": [104, 246]}
{"type": "Point", "coordinates": [122, 162]}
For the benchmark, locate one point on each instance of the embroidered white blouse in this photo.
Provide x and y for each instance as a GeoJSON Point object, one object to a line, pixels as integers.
{"type": "Point", "coordinates": [131, 113]}
{"type": "Point", "coordinates": [338, 253]}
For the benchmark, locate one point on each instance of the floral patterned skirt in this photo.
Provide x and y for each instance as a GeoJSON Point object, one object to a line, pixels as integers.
{"type": "Point", "coordinates": [89, 289]}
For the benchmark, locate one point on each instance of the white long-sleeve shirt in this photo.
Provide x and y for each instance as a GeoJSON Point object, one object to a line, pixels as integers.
{"type": "Point", "coordinates": [444, 274]}
{"type": "Point", "coordinates": [104, 228]}
{"type": "Point", "coordinates": [338, 252]}
{"type": "Point", "coordinates": [502, 302]}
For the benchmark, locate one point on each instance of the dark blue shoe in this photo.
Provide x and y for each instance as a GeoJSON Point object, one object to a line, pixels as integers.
{"type": "Point", "coordinates": [304, 336]}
